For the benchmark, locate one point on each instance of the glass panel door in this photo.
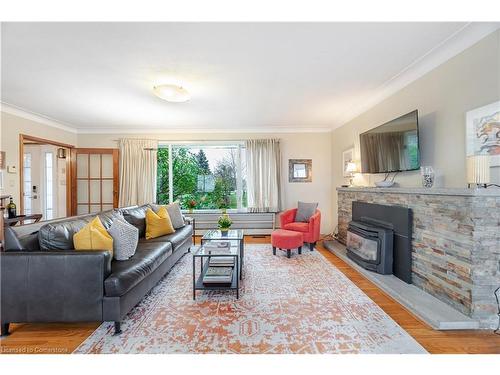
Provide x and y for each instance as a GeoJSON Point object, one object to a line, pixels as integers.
{"type": "Point", "coordinates": [27, 183]}
{"type": "Point", "coordinates": [96, 180]}
{"type": "Point", "coordinates": [49, 186]}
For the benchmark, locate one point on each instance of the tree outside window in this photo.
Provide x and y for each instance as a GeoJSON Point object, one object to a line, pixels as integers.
{"type": "Point", "coordinates": [213, 176]}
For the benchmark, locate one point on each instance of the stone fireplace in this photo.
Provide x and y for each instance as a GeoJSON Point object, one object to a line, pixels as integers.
{"type": "Point", "coordinates": [455, 245]}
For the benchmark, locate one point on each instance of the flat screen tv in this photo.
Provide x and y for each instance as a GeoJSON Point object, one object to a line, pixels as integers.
{"type": "Point", "coordinates": [391, 147]}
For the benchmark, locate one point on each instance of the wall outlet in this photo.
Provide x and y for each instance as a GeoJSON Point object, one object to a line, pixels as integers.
{"type": "Point", "coordinates": [11, 169]}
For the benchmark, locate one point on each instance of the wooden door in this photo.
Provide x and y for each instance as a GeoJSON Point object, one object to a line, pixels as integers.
{"type": "Point", "coordinates": [95, 180]}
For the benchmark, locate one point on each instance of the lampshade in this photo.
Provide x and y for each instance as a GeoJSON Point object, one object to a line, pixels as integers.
{"type": "Point", "coordinates": [351, 167]}
{"type": "Point", "coordinates": [172, 93]}
{"type": "Point", "coordinates": [478, 169]}
{"type": "Point", "coordinates": [2, 159]}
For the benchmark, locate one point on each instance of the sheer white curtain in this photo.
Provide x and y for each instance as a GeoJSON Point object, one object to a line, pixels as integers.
{"type": "Point", "coordinates": [137, 171]}
{"type": "Point", "coordinates": [263, 175]}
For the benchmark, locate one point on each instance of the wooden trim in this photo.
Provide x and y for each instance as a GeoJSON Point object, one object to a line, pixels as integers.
{"type": "Point", "coordinates": [69, 185]}
{"type": "Point", "coordinates": [42, 141]}
{"type": "Point", "coordinates": [116, 177]}
{"type": "Point", "coordinates": [74, 183]}
{"type": "Point", "coordinates": [97, 150]}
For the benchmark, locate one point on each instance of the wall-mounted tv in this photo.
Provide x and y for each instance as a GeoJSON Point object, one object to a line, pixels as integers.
{"type": "Point", "coordinates": [391, 147]}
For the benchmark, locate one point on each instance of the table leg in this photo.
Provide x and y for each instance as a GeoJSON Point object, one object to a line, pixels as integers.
{"type": "Point", "coordinates": [242, 255]}
{"type": "Point", "coordinates": [194, 279]}
{"type": "Point", "coordinates": [238, 266]}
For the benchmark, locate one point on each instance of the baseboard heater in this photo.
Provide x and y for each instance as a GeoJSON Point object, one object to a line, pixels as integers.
{"type": "Point", "coordinates": [251, 223]}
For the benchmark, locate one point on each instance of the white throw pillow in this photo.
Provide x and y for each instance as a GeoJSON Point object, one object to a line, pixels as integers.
{"type": "Point", "coordinates": [125, 238]}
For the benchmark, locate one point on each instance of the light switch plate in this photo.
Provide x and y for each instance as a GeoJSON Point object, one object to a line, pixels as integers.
{"type": "Point", "coordinates": [11, 169]}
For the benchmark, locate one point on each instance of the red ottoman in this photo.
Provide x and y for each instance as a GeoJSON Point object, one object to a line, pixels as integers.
{"type": "Point", "coordinates": [286, 240]}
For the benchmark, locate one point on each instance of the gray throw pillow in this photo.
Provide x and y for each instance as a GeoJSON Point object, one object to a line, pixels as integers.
{"type": "Point", "coordinates": [305, 211]}
{"type": "Point", "coordinates": [125, 238]}
{"type": "Point", "coordinates": [174, 211]}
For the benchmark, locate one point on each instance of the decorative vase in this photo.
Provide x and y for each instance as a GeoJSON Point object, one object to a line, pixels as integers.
{"type": "Point", "coordinates": [224, 231]}
{"type": "Point", "coordinates": [190, 210]}
{"type": "Point", "coordinates": [427, 173]}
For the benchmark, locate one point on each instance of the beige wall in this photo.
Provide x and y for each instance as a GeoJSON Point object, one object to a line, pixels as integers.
{"type": "Point", "coordinates": [10, 128]}
{"type": "Point", "coordinates": [315, 146]}
{"type": "Point", "coordinates": [442, 97]}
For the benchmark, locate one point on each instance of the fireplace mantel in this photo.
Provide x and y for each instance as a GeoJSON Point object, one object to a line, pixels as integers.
{"type": "Point", "coordinates": [489, 192]}
{"type": "Point", "coordinates": [455, 242]}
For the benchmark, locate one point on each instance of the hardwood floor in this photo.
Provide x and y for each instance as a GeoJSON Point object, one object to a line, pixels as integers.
{"type": "Point", "coordinates": [64, 338]}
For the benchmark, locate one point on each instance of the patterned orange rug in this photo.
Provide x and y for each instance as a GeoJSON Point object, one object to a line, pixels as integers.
{"type": "Point", "coordinates": [298, 305]}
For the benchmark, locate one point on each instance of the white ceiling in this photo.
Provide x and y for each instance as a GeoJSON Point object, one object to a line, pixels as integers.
{"type": "Point", "coordinates": [98, 77]}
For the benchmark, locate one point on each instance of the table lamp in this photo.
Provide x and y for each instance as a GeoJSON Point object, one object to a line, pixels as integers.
{"type": "Point", "coordinates": [478, 170]}
{"type": "Point", "coordinates": [351, 168]}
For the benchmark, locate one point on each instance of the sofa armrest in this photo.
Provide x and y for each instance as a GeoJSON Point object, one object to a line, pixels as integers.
{"type": "Point", "coordinates": [53, 286]}
{"type": "Point", "coordinates": [287, 217]}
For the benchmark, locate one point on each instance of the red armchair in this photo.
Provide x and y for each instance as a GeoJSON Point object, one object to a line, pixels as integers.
{"type": "Point", "coordinates": [310, 231]}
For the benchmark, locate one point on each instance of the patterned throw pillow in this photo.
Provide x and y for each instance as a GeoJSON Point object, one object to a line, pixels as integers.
{"type": "Point", "coordinates": [125, 238]}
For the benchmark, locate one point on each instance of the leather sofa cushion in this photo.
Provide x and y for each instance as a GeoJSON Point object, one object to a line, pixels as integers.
{"type": "Point", "coordinates": [125, 274]}
{"type": "Point", "coordinates": [137, 217]}
{"type": "Point", "coordinates": [297, 227]}
{"type": "Point", "coordinates": [58, 235]}
{"type": "Point", "coordinates": [24, 237]}
{"type": "Point", "coordinates": [176, 239]}
{"type": "Point", "coordinates": [15, 241]}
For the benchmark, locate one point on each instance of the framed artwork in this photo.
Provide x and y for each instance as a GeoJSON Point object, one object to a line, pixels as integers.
{"type": "Point", "coordinates": [483, 132]}
{"type": "Point", "coordinates": [347, 157]}
{"type": "Point", "coordinates": [299, 170]}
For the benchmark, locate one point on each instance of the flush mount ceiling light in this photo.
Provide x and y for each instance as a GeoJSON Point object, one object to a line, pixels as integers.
{"type": "Point", "coordinates": [172, 93]}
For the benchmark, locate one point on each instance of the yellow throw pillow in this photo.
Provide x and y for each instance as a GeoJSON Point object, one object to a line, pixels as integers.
{"type": "Point", "coordinates": [158, 224]}
{"type": "Point", "coordinates": [93, 236]}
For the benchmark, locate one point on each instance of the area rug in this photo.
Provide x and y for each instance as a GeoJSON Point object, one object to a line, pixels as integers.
{"type": "Point", "coordinates": [298, 305]}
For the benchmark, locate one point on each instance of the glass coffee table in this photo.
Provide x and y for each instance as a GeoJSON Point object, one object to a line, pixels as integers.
{"type": "Point", "coordinates": [234, 236]}
{"type": "Point", "coordinates": [205, 254]}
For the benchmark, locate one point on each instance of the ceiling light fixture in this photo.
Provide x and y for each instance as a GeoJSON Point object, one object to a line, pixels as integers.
{"type": "Point", "coordinates": [172, 93]}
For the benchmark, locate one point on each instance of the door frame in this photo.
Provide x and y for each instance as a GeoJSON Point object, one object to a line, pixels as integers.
{"type": "Point", "coordinates": [112, 151]}
{"type": "Point", "coordinates": [69, 180]}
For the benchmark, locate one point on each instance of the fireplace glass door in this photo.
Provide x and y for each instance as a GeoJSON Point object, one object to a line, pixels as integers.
{"type": "Point", "coordinates": [365, 248]}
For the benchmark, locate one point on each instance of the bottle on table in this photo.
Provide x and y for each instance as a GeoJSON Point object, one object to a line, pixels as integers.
{"type": "Point", "coordinates": [11, 209]}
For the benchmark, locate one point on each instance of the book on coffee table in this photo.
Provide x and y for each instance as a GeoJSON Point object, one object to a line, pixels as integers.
{"type": "Point", "coordinates": [222, 262]}
{"type": "Point", "coordinates": [218, 275]}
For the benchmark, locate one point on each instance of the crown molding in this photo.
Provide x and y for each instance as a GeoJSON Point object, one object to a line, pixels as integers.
{"type": "Point", "coordinates": [32, 116]}
{"type": "Point", "coordinates": [268, 129]}
{"type": "Point", "coordinates": [456, 43]}
{"type": "Point", "coordinates": [29, 115]}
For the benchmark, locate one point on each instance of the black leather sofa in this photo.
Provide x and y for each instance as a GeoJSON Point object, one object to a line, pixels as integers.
{"type": "Point", "coordinates": [43, 279]}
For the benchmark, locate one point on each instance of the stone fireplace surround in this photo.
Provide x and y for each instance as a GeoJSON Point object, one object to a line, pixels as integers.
{"type": "Point", "coordinates": [455, 244]}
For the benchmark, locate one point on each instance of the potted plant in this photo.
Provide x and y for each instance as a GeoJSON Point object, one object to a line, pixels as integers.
{"type": "Point", "coordinates": [223, 205]}
{"type": "Point", "coordinates": [224, 223]}
{"type": "Point", "coordinates": [191, 203]}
